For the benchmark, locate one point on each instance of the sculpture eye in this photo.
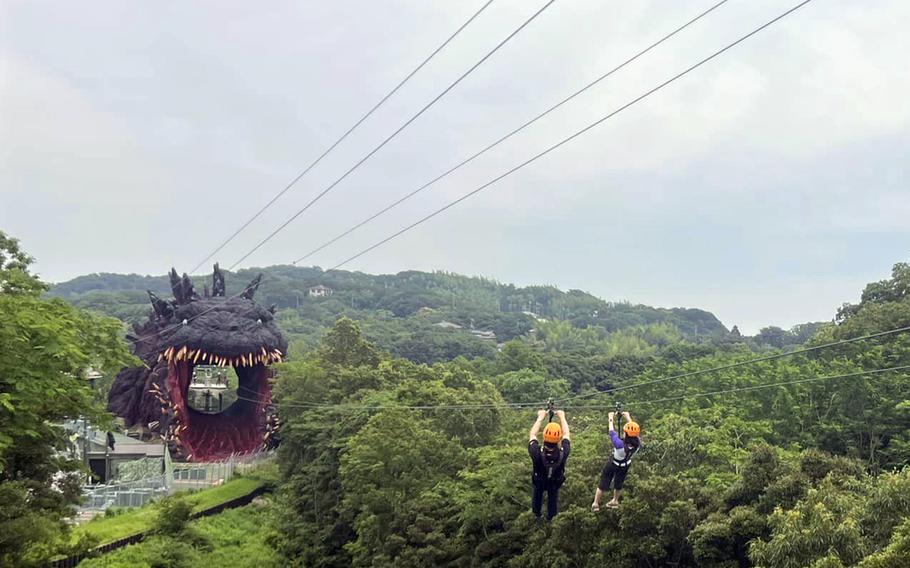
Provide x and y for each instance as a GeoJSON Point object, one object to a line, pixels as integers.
{"type": "Point", "coordinates": [259, 321]}
{"type": "Point", "coordinates": [185, 322]}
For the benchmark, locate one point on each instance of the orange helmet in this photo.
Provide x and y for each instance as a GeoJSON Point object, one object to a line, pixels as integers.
{"type": "Point", "coordinates": [552, 434]}
{"type": "Point", "coordinates": [632, 429]}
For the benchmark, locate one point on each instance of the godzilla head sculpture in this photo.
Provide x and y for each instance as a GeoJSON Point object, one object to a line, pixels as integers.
{"type": "Point", "coordinates": [196, 330]}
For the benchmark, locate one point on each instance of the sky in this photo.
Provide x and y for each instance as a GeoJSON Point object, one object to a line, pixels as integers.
{"type": "Point", "coordinates": [768, 186]}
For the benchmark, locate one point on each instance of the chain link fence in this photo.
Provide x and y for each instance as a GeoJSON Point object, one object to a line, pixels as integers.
{"type": "Point", "coordinates": [176, 477]}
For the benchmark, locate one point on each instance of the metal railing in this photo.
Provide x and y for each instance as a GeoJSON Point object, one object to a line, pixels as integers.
{"type": "Point", "coordinates": [176, 477]}
{"type": "Point", "coordinates": [194, 475]}
{"type": "Point", "coordinates": [126, 494]}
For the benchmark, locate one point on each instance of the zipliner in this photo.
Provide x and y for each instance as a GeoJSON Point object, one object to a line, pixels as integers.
{"type": "Point", "coordinates": [549, 462]}
{"type": "Point", "coordinates": [617, 467]}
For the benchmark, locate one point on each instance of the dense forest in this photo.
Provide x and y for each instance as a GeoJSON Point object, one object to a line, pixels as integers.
{"type": "Point", "coordinates": [432, 317]}
{"type": "Point", "coordinates": [391, 457]}
{"type": "Point", "coordinates": [810, 473]}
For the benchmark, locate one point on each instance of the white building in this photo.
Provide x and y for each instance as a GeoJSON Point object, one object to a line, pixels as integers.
{"type": "Point", "coordinates": [320, 291]}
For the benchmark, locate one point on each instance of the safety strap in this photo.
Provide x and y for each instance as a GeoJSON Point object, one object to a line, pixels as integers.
{"type": "Point", "coordinates": [552, 468]}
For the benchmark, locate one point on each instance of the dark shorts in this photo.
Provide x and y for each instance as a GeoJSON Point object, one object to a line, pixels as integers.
{"type": "Point", "coordinates": [612, 473]}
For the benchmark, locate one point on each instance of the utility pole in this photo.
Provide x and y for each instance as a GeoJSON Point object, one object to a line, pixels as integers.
{"type": "Point", "coordinates": [91, 376]}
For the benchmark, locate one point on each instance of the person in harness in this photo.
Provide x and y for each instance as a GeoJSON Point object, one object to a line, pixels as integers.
{"type": "Point", "coordinates": [617, 466]}
{"type": "Point", "coordinates": [549, 461]}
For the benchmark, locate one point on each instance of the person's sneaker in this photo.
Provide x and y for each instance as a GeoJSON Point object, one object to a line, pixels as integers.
{"type": "Point", "coordinates": [613, 505]}
{"type": "Point", "coordinates": [595, 507]}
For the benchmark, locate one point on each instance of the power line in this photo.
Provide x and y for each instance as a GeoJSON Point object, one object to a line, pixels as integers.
{"type": "Point", "coordinates": [740, 364]}
{"type": "Point", "coordinates": [512, 133]}
{"type": "Point", "coordinates": [341, 139]}
{"type": "Point", "coordinates": [569, 138]}
{"type": "Point", "coordinates": [530, 160]}
{"type": "Point", "coordinates": [543, 153]}
{"type": "Point", "coordinates": [393, 135]}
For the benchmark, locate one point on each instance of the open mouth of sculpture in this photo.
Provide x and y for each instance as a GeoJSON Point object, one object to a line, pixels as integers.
{"type": "Point", "coordinates": [244, 426]}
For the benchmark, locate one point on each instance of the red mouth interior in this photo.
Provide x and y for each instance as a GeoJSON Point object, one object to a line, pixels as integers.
{"type": "Point", "coordinates": [239, 429]}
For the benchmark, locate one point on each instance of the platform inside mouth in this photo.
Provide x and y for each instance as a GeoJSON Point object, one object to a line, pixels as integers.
{"type": "Point", "coordinates": [239, 427]}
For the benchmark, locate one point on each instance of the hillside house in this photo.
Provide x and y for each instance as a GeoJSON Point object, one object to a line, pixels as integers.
{"type": "Point", "coordinates": [320, 291]}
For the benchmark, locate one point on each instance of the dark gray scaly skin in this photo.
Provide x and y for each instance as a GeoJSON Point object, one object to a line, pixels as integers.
{"type": "Point", "coordinates": [192, 330]}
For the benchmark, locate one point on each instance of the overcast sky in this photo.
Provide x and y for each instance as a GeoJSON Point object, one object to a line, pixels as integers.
{"type": "Point", "coordinates": [768, 186]}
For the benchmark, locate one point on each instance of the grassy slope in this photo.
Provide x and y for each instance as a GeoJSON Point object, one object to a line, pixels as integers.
{"type": "Point", "coordinates": [236, 538]}
{"type": "Point", "coordinates": [108, 529]}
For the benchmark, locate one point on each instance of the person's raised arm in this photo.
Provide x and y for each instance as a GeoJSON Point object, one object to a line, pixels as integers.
{"type": "Point", "coordinates": [614, 437]}
{"type": "Point", "coordinates": [565, 425]}
{"type": "Point", "coordinates": [541, 416]}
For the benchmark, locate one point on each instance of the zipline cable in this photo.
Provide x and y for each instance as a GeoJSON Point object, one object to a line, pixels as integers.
{"type": "Point", "coordinates": [342, 138]}
{"type": "Point", "coordinates": [510, 134]}
{"type": "Point", "coordinates": [568, 139]}
{"type": "Point", "coordinates": [752, 388]}
{"type": "Point", "coordinates": [740, 364]}
{"type": "Point", "coordinates": [524, 406]}
{"type": "Point", "coordinates": [391, 136]}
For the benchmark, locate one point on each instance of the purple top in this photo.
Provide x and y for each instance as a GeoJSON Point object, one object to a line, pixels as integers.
{"type": "Point", "coordinates": [617, 441]}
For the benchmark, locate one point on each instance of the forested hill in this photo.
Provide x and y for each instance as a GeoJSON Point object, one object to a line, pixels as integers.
{"type": "Point", "coordinates": [407, 313]}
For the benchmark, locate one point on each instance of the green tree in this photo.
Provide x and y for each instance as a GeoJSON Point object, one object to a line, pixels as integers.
{"type": "Point", "coordinates": [517, 355]}
{"type": "Point", "coordinates": [528, 386]}
{"type": "Point", "coordinates": [385, 469]}
{"type": "Point", "coordinates": [46, 346]}
{"type": "Point", "coordinates": [344, 345]}
{"type": "Point", "coordinates": [14, 274]}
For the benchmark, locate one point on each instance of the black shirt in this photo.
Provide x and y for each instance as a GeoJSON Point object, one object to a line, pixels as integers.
{"type": "Point", "coordinates": [556, 469]}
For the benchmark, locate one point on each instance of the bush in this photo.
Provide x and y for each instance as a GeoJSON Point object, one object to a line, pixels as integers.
{"type": "Point", "coordinates": [174, 514]}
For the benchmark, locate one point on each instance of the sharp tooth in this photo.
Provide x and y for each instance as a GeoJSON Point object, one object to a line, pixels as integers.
{"type": "Point", "coordinates": [160, 357]}
{"type": "Point", "coordinates": [264, 353]}
{"type": "Point", "coordinates": [198, 355]}
{"type": "Point", "coordinates": [182, 353]}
